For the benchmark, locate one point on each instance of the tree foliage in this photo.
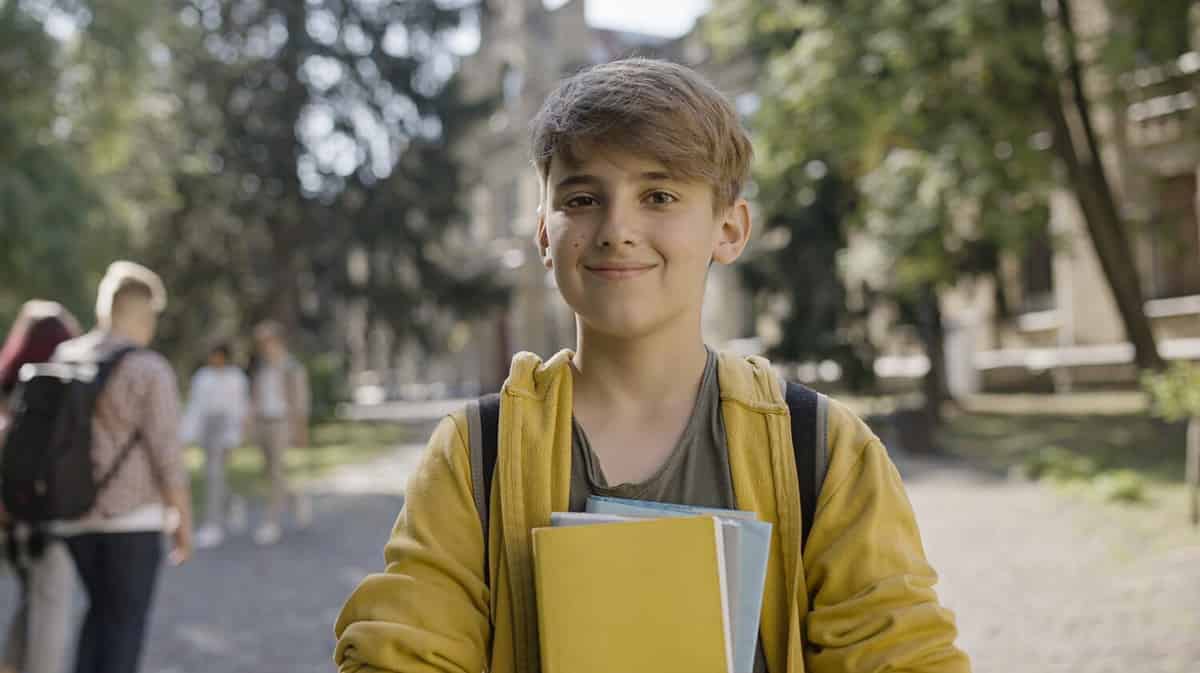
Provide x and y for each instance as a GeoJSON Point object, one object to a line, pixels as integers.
{"type": "Point", "coordinates": [317, 167]}
{"type": "Point", "coordinates": [70, 184]}
{"type": "Point", "coordinates": [270, 158]}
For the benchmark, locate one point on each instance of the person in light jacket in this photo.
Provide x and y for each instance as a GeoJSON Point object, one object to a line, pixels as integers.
{"type": "Point", "coordinates": [218, 403]}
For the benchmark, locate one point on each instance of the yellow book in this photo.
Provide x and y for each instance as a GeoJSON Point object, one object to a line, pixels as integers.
{"type": "Point", "coordinates": [640, 597]}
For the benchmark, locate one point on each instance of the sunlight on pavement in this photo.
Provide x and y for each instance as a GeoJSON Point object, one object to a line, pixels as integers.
{"type": "Point", "coordinates": [386, 475]}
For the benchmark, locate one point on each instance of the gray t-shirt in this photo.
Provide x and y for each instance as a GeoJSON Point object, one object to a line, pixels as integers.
{"type": "Point", "coordinates": [695, 473]}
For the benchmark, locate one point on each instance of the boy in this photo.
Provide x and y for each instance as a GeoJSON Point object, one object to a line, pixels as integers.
{"type": "Point", "coordinates": [641, 164]}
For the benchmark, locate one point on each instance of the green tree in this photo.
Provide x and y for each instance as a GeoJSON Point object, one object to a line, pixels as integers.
{"type": "Point", "coordinates": [316, 166]}
{"type": "Point", "coordinates": [73, 188]}
{"type": "Point", "coordinates": [792, 273]}
{"type": "Point", "coordinates": [986, 100]}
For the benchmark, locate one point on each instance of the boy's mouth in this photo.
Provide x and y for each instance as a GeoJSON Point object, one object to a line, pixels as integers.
{"type": "Point", "coordinates": [618, 270]}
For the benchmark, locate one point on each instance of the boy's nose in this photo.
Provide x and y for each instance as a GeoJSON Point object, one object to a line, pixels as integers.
{"type": "Point", "coordinates": [617, 228]}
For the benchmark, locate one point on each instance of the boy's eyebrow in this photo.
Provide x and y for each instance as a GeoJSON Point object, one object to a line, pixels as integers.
{"type": "Point", "coordinates": [586, 179]}
{"type": "Point", "coordinates": [657, 175]}
{"type": "Point", "coordinates": [577, 179]}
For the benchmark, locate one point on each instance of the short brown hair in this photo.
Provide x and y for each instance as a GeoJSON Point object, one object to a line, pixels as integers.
{"type": "Point", "coordinates": [651, 108]}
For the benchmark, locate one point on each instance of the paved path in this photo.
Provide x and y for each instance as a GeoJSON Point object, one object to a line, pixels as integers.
{"type": "Point", "coordinates": [1041, 584]}
{"type": "Point", "coordinates": [1044, 583]}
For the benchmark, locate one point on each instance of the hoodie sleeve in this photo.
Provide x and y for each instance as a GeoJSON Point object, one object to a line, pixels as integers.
{"type": "Point", "coordinates": [428, 610]}
{"type": "Point", "coordinates": [873, 605]}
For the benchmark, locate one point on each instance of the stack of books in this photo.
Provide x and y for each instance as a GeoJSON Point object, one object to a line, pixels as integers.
{"type": "Point", "coordinates": [632, 586]}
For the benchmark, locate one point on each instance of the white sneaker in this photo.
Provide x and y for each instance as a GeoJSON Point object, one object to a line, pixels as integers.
{"type": "Point", "coordinates": [304, 510]}
{"type": "Point", "coordinates": [208, 537]}
{"type": "Point", "coordinates": [238, 521]}
{"type": "Point", "coordinates": [268, 534]}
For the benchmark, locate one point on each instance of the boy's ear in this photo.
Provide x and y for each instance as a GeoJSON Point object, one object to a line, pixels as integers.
{"type": "Point", "coordinates": [542, 240]}
{"type": "Point", "coordinates": [734, 233]}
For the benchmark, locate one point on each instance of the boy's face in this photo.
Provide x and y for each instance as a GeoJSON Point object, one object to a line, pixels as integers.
{"type": "Point", "coordinates": [630, 244]}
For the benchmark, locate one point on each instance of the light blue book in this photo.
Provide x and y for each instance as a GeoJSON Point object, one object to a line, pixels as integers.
{"type": "Point", "coordinates": [747, 544]}
{"type": "Point", "coordinates": [564, 519]}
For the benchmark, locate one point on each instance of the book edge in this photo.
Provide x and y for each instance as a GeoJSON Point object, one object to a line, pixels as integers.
{"type": "Point", "coordinates": [726, 618]}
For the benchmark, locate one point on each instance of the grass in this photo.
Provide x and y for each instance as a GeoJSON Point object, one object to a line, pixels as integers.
{"type": "Point", "coordinates": [1109, 442]}
{"type": "Point", "coordinates": [1126, 467]}
{"type": "Point", "coordinates": [333, 444]}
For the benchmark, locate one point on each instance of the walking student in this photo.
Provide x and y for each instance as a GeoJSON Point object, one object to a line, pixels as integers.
{"type": "Point", "coordinates": [41, 634]}
{"type": "Point", "coordinates": [641, 164]}
{"type": "Point", "coordinates": [280, 398]}
{"type": "Point", "coordinates": [117, 545]}
{"type": "Point", "coordinates": [218, 403]}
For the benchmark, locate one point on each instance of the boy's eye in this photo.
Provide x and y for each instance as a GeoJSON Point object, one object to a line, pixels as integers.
{"type": "Point", "coordinates": [580, 201]}
{"type": "Point", "coordinates": [661, 198]}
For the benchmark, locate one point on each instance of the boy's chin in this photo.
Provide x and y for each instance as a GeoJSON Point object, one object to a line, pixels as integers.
{"type": "Point", "coordinates": [624, 327]}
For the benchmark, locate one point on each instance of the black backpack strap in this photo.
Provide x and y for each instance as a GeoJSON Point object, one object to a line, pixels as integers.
{"type": "Point", "coordinates": [121, 457]}
{"type": "Point", "coordinates": [809, 418]}
{"type": "Point", "coordinates": [104, 371]}
{"type": "Point", "coordinates": [107, 365]}
{"type": "Point", "coordinates": [483, 427]}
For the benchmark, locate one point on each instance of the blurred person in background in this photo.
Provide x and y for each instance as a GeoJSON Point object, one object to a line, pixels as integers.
{"type": "Point", "coordinates": [218, 404]}
{"type": "Point", "coordinates": [39, 328]}
{"type": "Point", "coordinates": [280, 399]}
{"type": "Point", "coordinates": [118, 544]}
{"type": "Point", "coordinates": [40, 633]}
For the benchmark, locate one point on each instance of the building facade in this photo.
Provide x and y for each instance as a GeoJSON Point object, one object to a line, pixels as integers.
{"type": "Point", "coordinates": [1066, 332]}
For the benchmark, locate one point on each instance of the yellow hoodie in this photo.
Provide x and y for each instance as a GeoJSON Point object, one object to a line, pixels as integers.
{"type": "Point", "coordinates": [860, 600]}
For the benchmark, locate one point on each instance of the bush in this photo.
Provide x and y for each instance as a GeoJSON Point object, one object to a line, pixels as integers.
{"type": "Point", "coordinates": [1175, 393]}
{"type": "Point", "coordinates": [1059, 464]}
{"type": "Point", "coordinates": [1121, 486]}
{"type": "Point", "coordinates": [326, 384]}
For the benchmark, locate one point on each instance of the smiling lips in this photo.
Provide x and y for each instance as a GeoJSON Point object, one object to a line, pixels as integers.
{"type": "Point", "coordinates": [618, 270]}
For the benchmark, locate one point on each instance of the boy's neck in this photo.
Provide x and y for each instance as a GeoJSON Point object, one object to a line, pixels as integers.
{"type": "Point", "coordinates": [646, 371]}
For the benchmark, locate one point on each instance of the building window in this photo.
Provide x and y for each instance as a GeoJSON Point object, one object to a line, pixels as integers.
{"type": "Point", "coordinates": [1175, 240]}
{"type": "Point", "coordinates": [1037, 272]}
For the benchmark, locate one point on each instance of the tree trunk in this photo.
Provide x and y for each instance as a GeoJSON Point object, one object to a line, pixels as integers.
{"type": "Point", "coordinates": [915, 429]}
{"type": "Point", "coordinates": [1193, 468]}
{"type": "Point", "coordinates": [1087, 176]}
{"type": "Point", "coordinates": [933, 335]}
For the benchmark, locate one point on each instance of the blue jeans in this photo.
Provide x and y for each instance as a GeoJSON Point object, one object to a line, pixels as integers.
{"type": "Point", "coordinates": [119, 571]}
